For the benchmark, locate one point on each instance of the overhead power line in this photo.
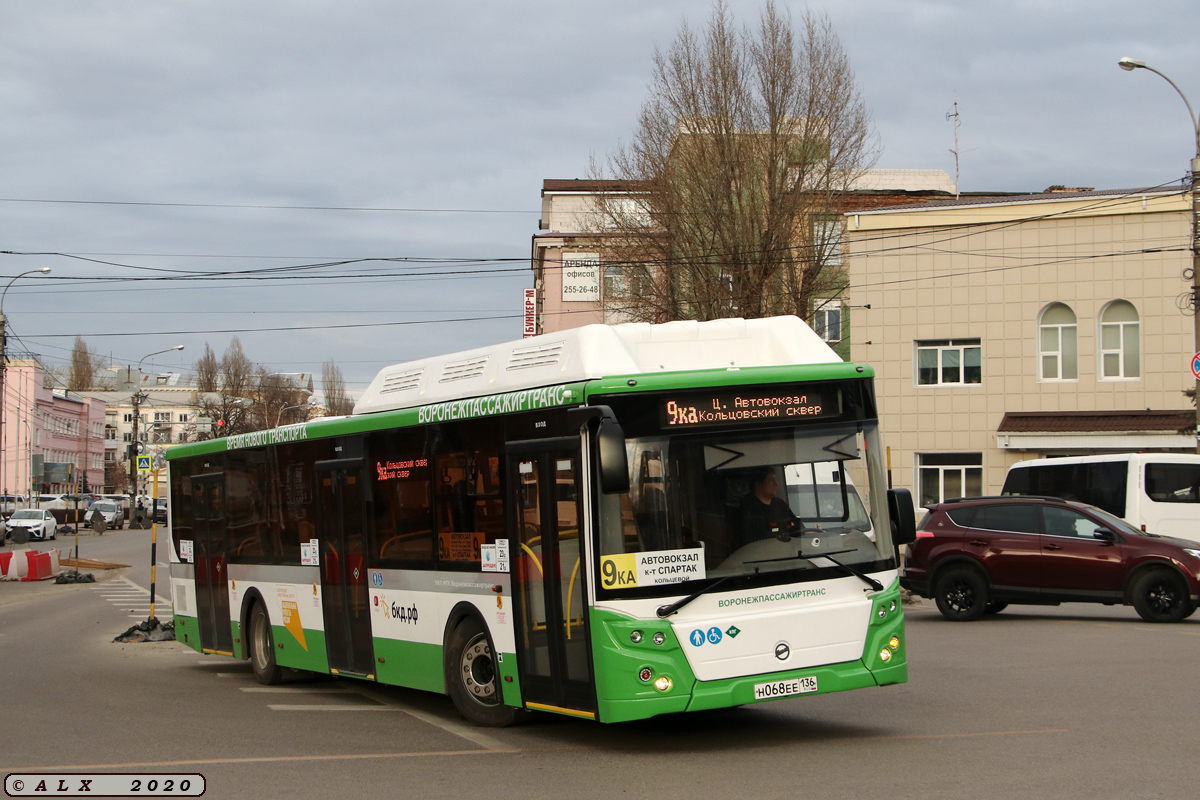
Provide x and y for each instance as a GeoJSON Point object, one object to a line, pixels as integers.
{"type": "Point", "coordinates": [280, 329]}
{"type": "Point", "coordinates": [261, 206]}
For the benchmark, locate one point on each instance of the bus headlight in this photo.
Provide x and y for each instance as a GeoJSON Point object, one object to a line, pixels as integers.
{"type": "Point", "coordinates": [663, 684]}
{"type": "Point", "coordinates": [894, 643]}
{"type": "Point", "coordinates": [636, 637]}
{"type": "Point", "coordinates": [645, 674]}
{"type": "Point", "coordinates": [659, 637]}
{"type": "Point", "coordinates": [885, 655]}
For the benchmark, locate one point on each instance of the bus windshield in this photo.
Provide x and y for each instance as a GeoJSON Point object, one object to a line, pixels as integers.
{"type": "Point", "coordinates": [759, 503]}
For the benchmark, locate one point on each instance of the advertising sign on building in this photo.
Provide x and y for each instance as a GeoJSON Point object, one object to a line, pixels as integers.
{"type": "Point", "coordinates": [530, 313]}
{"type": "Point", "coordinates": [580, 278]}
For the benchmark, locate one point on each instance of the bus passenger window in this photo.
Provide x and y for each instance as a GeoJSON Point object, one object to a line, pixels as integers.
{"type": "Point", "coordinates": [403, 514]}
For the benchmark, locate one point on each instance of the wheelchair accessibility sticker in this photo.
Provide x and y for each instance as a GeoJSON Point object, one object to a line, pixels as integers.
{"type": "Point", "coordinates": [699, 637]}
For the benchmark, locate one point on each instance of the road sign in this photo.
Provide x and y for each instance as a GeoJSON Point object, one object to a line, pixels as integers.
{"type": "Point", "coordinates": [1196, 366]}
{"type": "Point", "coordinates": [144, 463]}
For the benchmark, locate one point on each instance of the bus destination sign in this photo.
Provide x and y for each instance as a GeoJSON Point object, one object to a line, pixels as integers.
{"type": "Point", "coordinates": [747, 407]}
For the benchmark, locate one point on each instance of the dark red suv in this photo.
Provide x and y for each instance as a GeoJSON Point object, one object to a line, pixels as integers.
{"type": "Point", "coordinates": [976, 555]}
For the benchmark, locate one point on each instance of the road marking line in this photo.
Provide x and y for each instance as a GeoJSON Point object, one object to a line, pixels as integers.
{"type": "Point", "coordinates": [278, 707]}
{"type": "Point", "coordinates": [261, 760]}
{"type": "Point", "coordinates": [295, 690]}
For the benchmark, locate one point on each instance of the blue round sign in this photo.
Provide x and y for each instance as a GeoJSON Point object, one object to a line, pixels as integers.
{"type": "Point", "coordinates": [697, 637]}
{"type": "Point", "coordinates": [714, 635]}
{"type": "Point", "coordinates": [1196, 366]}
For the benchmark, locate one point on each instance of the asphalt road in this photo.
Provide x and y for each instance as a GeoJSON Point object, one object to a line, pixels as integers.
{"type": "Point", "coordinates": [1069, 702]}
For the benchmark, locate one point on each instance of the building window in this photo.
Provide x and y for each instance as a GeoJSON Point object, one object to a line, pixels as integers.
{"type": "Point", "coordinates": [127, 436]}
{"type": "Point", "coordinates": [162, 416]}
{"type": "Point", "coordinates": [1120, 348]}
{"type": "Point", "coordinates": [614, 283]}
{"type": "Point", "coordinates": [827, 241]}
{"type": "Point", "coordinates": [129, 417]}
{"type": "Point", "coordinates": [944, 476]}
{"type": "Point", "coordinates": [827, 320]}
{"type": "Point", "coordinates": [183, 417]}
{"type": "Point", "coordinates": [1058, 344]}
{"type": "Point", "coordinates": [949, 362]}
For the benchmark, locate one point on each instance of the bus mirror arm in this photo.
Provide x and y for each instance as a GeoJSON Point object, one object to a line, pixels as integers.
{"type": "Point", "coordinates": [904, 519]}
{"type": "Point", "coordinates": [610, 446]}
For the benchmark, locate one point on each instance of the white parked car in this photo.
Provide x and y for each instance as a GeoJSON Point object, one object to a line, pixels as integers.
{"type": "Point", "coordinates": [39, 522]}
{"type": "Point", "coordinates": [114, 515]}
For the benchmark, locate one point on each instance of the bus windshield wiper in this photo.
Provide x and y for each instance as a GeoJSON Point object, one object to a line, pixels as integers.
{"type": "Point", "coordinates": [668, 610]}
{"type": "Point", "coordinates": [867, 579]}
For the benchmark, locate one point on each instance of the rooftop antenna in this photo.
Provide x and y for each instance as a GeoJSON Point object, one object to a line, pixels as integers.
{"type": "Point", "coordinates": [954, 115]}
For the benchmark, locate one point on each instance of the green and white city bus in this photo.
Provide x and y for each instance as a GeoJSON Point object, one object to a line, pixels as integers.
{"type": "Point", "coordinates": [578, 522]}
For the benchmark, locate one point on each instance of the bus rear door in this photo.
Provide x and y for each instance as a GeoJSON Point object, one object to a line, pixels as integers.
{"type": "Point", "coordinates": [546, 512]}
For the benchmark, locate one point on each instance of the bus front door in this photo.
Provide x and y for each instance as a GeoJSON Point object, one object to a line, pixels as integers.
{"type": "Point", "coordinates": [212, 584]}
{"type": "Point", "coordinates": [548, 577]}
{"type": "Point", "coordinates": [344, 596]}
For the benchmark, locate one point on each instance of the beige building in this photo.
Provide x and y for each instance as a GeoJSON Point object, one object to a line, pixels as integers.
{"type": "Point", "coordinates": [1009, 328]}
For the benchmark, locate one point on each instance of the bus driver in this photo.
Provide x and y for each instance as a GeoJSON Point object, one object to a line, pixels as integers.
{"type": "Point", "coordinates": [763, 515]}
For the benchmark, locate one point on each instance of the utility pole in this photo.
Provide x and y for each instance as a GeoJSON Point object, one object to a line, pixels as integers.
{"type": "Point", "coordinates": [138, 397]}
{"type": "Point", "coordinates": [134, 448]}
{"type": "Point", "coordinates": [1129, 65]}
{"type": "Point", "coordinates": [4, 363]}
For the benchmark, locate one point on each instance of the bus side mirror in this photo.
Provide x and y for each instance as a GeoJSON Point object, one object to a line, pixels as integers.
{"type": "Point", "coordinates": [614, 464]}
{"type": "Point", "coordinates": [904, 520]}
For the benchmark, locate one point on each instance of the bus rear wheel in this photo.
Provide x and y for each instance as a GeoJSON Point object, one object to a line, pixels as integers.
{"type": "Point", "coordinates": [472, 678]}
{"type": "Point", "coordinates": [262, 647]}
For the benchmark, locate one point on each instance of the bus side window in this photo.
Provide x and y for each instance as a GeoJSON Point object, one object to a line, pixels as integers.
{"type": "Point", "coordinates": [403, 515]}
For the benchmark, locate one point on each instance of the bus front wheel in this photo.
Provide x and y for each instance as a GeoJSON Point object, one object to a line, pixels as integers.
{"type": "Point", "coordinates": [472, 678]}
{"type": "Point", "coordinates": [262, 647]}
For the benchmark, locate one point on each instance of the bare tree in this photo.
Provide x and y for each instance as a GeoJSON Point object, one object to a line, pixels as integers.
{"type": "Point", "coordinates": [230, 404]}
{"type": "Point", "coordinates": [241, 396]}
{"type": "Point", "coordinates": [337, 403]}
{"type": "Point", "coordinates": [82, 373]}
{"type": "Point", "coordinates": [279, 401]}
{"type": "Point", "coordinates": [729, 188]}
{"type": "Point", "coordinates": [207, 370]}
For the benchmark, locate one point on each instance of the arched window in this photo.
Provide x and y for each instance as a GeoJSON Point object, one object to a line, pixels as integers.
{"type": "Point", "coordinates": [1119, 341]}
{"type": "Point", "coordinates": [1058, 344]}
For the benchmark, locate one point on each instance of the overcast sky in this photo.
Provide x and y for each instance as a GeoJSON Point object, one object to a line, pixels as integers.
{"type": "Point", "coordinates": [462, 109]}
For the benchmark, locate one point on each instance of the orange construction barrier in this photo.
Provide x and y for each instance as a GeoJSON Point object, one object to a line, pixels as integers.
{"type": "Point", "coordinates": [5, 558]}
{"type": "Point", "coordinates": [41, 567]}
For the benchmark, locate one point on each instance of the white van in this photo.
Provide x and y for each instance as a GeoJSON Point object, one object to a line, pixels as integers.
{"type": "Point", "coordinates": [1157, 492]}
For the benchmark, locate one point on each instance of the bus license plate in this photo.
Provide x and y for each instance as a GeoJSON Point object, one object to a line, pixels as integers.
{"type": "Point", "coordinates": [769, 691]}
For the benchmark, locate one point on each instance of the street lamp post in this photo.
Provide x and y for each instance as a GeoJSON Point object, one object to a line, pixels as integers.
{"type": "Point", "coordinates": [4, 361]}
{"type": "Point", "coordinates": [279, 416]}
{"type": "Point", "coordinates": [135, 446]}
{"type": "Point", "coordinates": [1128, 64]}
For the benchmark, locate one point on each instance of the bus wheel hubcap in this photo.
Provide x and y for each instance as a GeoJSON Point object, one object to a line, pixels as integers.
{"type": "Point", "coordinates": [478, 672]}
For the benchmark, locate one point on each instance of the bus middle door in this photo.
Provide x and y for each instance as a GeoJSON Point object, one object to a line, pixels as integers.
{"type": "Point", "coordinates": [344, 594]}
{"type": "Point", "coordinates": [546, 512]}
{"type": "Point", "coordinates": [212, 571]}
